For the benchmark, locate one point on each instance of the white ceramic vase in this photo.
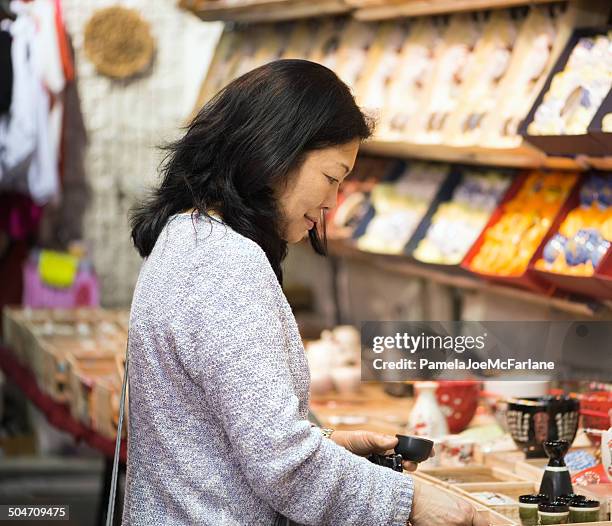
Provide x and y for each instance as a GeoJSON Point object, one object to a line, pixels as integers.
{"type": "Point", "coordinates": [426, 418]}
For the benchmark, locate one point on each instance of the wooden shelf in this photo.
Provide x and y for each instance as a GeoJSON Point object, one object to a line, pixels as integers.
{"type": "Point", "coordinates": [599, 163]}
{"type": "Point", "coordinates": [275, 10]}
{"type": "Point", "coordinates": [405, 266]}
{"type": "Point", "coordinates": [385, 9]}
{"type": "Point", "coordinates": [524, 156]}
{"type": "Point", "coordinates": [262, 10]}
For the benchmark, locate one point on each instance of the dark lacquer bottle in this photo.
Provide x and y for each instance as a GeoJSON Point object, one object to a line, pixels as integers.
{"type": "Point", "coordinates": [556, 480]}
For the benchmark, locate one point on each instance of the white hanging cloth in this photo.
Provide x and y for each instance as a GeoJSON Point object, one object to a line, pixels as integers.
{"type": "Point", "coordinates": [29, 136]}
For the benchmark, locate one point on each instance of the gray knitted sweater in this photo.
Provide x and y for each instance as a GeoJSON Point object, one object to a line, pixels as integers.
{"type": "Point", "coordinates": [218, 400]}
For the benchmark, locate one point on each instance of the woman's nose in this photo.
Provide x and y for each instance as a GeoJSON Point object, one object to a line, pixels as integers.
{"type": "Point", "coordinates": [331, 199]}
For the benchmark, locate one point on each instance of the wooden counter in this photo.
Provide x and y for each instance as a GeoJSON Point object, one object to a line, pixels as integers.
{"type": "Point", "coordinates": [371, 409]}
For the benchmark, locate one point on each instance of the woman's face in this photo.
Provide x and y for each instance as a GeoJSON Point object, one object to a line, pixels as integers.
{"type": "Point", "coordinates": [314, 187]}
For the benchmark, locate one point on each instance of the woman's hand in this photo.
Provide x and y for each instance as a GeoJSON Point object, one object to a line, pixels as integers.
{"type": "Point", "coordinates": [433, 507]}
{"type": "Point", "coordinates": [364, 443]}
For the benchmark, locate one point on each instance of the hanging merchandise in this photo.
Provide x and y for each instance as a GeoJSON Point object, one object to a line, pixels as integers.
{"type": "Point", "coordinates": [19, 216]}
{"type": "Point", "coordinates": [30, 132]}
{"type": "Point", "coordinates": [51, 67]}
{"type": "Point", "coordinates": [19, 221]}
{"type": "Point", "coordinates": [119, 42]}
{"type": "Point", "coordinates": [62, 222]}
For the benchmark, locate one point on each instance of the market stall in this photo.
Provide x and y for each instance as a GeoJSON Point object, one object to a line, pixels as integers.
{"type": "Point", "coordinates": [485, 193]}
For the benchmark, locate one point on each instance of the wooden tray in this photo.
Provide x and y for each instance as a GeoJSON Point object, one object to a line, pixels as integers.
{"type": "Point", "coordinates": [494, 518]}
{"type": "Point", "coordinates": [497, 515]}
{"type": "Point", "coordinates": [43, 338]}
{"type": "Point", "coordinates": [509, 489]}
{"type": "Point", "coordinates": [104, 403]}
{"type": "Point", "coordinates": [83, 375]}
{"type": "Point", "coordinates": [468, 475]}
{"type": "Point", "coordinates": [505, 459]}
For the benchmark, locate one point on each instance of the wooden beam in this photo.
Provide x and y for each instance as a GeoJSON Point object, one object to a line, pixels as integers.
{"type": "Point", "coordinates": [262, 10]}
{"type": "Point", "coordinates": [379, 10]}
{"type": "Point", "coordinates": [523, 156]}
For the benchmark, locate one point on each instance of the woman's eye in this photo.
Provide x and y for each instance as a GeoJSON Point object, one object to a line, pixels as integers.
{"type": "Point", "coordinates": [331, 180]}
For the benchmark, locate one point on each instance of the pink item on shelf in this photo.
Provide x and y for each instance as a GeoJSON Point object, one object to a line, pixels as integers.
{"type": "Point", "coordinates": [84, 292]}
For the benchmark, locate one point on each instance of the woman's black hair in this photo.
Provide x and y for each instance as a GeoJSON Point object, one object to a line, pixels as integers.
{"type": "Point", "coordinates": [243, 143]}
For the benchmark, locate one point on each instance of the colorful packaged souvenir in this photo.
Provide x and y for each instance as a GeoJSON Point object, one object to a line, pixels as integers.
{"type": "Point", "coordinates": [531, 61]}
{"type": "Point", "coordinates": [400, 206]}
{"type": "Point", "coordinates": [576, 92]}
{"type": "Point", "coordinates": [480, 92]}
{"type": "Point", "coordinates": [585, 235]}
{"type": "Point", "coordinates": [457, 223]}
{"type": "Point", "coordinates": [383, 61]}
{"type": "Point", "coordinates": [408, 82]}
{"type": "Point", "coordinates": [510, 243]}
{"type": "Point", "coordinates": [453, 60]}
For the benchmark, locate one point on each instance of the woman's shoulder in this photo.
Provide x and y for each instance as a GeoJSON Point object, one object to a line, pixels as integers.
{"type": "Point", "coordinates": [216, 245]}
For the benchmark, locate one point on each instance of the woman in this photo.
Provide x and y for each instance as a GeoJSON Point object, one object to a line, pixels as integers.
{"type": "Point", "coordinates": [219, 381]}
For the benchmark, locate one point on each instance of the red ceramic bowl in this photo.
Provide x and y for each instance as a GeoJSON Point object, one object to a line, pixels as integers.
{"type": "Point", "coordinates": [596, 402]}
{"type": "Point", "coordinates": [458, 401]}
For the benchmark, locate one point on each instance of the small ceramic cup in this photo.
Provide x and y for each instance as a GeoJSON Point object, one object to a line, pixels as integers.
{"type": "Point", "coordinates": [555, 512]}
{"type": "Point", "coordinates": [584, 511]}
{"type": "Point", "coordinates": [457, 451]}
{"type": "Point", "coordinates": [528, 509]}
{"type": "Point", "coordinates": [571, 497]}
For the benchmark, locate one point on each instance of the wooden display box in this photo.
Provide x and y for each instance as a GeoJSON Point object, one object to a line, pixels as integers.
{"type": "Point", "coordinates": [505, 460]}
{"type": "Point", "coordinates": [83, 377]}
{"type": "Point", "coordinates": [515, 490]}
{"type": "Point", "coordinates": [493, 518]}
{"type": "Point", "coordinates": [17, 326]}
{"type": "Point", "coordinates": [526, 469]}
{"type": "Point", "coordinates": [511, 486]}
{"type": "Point", "coordinates": [508, 489]}
{"type": "Point", "coordinates": [467, 475]}
{"type": "Point", "coordinates": [104, 402]}
{"type": "Point", "coordinates": [69, 351]}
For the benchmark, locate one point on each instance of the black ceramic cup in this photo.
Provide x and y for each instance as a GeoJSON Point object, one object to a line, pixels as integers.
{"type": "Point", "coordinates": [414, 449]}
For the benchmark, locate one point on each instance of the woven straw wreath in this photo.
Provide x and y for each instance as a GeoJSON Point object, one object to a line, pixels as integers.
{"type": "Point", "coordinates": [118, 42]}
